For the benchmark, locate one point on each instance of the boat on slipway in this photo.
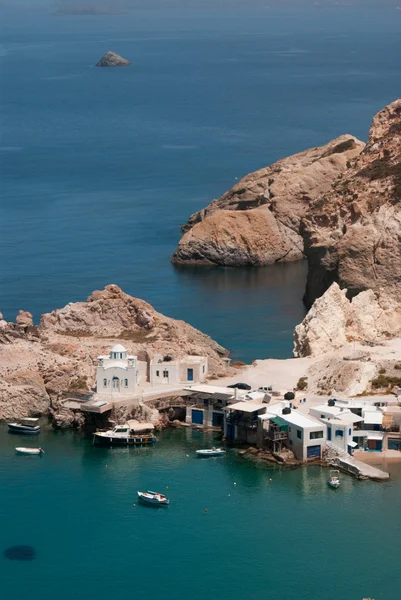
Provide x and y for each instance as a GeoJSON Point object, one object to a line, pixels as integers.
{"type": "Point", "coordinates": [210, 452]}
{"type": "Point", "coordinates": [133, 433]}
{"type": "Point", "coordinates": [153, 498]}
{"type": "Point", "coordinates": [334, 479]}
{"type": "Point", "coordinates": [30, 451]}
{"type": "Point", "coordinates": [26, 426]}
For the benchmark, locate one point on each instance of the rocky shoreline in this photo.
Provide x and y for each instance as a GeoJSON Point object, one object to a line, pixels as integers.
{"type": "Point", "coordinates": [38, 364]}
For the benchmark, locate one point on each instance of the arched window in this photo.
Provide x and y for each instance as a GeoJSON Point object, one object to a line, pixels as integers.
{"type": "Point", "coordinates": [104, 382]}
{"type": "Point", "coordinates": [126, 382]}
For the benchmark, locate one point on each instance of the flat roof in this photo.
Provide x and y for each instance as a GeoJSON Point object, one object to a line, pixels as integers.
{"type": "Point", "coordinates": [333, 410]}
{"type": "Point", "coordinates": [373, 418]}
{"type": "Point", "coordinates": [212, 389]}
{"type": "Point", "coordinates": [346, 418]}
{"type": "Point", "coordinates": [275, 409]}
{"type": "Point", "coordinates": [248, 407]}
{"type": "Point", "coordinates": [300, 419]}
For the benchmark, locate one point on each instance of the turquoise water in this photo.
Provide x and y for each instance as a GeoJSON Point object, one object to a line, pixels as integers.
{"type": "Point", "coordinates": [99, 167]}
{"type": "Point", "coordinates": [275, 534]}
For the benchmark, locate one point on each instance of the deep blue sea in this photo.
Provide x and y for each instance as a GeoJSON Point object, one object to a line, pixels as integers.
{"type": "Point", "coordinates": [100, 167]}
{"type": "Point", "coordinates": [267, 533]}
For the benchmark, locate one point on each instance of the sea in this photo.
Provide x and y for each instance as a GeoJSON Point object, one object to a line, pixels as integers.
{"type": "Point", "coordinates": [99, 168]}
{"type": "Point", "coordinates": [233, 530]}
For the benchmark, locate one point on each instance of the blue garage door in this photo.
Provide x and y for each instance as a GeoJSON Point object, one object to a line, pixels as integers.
{"type": "Point", "coordinates": [313, 452]}
{"type": "Point", "coordinates": [217, 419]}
{"type": "Point", "coordinates": [197, 417]}
{"type": "Point", "coordinates": [230, 432]}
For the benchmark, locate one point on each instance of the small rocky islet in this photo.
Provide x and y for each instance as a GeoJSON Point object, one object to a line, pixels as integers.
{"type": "Point", "coordinates": [111, 59]}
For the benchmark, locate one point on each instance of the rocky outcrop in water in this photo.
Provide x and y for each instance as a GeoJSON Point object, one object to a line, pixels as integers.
{"type": "Point", "coordinates": [37, 364]}
{"type": "Point", "coordinates": [258, 221]}
{"type": "Point", "coordinates": [111, 59]}
{"type": "Point", "coordinates": [352, 233]}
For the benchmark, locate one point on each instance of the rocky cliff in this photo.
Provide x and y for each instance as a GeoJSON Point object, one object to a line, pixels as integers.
{"type": "Point", "coordinates": [352, 233]}
{"type": "Point", "coordinates": [352, 346]}
{"type": "Point", "coordinates": [257, 222]}
{"type": "Point", "coordinates": [334, 321]}
{"type": "Point", "coordinates": [37, 363]}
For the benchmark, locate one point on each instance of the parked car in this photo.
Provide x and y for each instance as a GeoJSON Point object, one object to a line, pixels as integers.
{"type": "Point", "coordinates": [240, 386]}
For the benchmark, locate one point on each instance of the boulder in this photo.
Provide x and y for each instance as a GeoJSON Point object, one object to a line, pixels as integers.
{"type": "Point", "coordinates": [24, 319]}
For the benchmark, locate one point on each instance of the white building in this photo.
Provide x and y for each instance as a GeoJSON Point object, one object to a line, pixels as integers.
{"type": "Point", "coordinates": [306, 435]}
{"type": "Point", "coordinates": [340, 424]}
{"type": "Point", "coordinates": [352, 424]}
{"type": "Point", "coordinates": [117, 373]}
{"type": "Point", "coordinates": [187, 370]}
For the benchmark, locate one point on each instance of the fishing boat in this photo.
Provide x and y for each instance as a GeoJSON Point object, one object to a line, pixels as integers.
{"type": "Point", "coordinates": [26, 426]}
{"type": "Point", "coordinates": [132, 433]}
{"type": "Point", "coordinates": [211, 452]}
{"type": "Point", "coordinates": [31, 451]}
{"type": "Point", "coordinates": [153, 498]}
{"type": "Point", "coordinates": [334, 479]}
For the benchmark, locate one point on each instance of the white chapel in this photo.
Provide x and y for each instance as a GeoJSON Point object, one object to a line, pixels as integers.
{"type": "Point", "coordinates": [117, 373]}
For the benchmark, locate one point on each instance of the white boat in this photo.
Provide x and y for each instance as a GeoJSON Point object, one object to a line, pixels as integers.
{"type": "Point", "coordinates": [153, 498]}
{"type": "Point", "coordinates": [334, 479]}
{"type": "Point", "coordinates": [211, 452]}
{"type": "Point", "coordinates": [27, 426]}
{"type": "Point", "coordinates": [22, 450]}
{"type": "Point", "coordinates": [132, 433]}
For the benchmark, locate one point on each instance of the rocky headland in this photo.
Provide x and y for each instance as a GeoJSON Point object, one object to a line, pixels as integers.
{"type": "Point", "coordinates": [352, 234]}
{"type": "Point", "coordinates": [37, 363]}
{"type": "Point", "coordinates": [111, 59]}
{"type": "Point", "coordinates": [339, 206]}
{"type": "Point", "coordinates": [257, 222]}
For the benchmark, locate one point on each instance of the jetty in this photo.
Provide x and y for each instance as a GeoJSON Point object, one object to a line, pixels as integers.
{"type": "Point", "coordinates": [346, 462]}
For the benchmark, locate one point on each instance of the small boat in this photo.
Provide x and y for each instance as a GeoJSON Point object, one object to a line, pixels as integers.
{"type": "Point", "coordinates": [334, 479]}
{"type": "Point", "coordinates": [132, 433]}
{"type": "Point", "coordinates": [211, 452]}
{"type": "Point", "coordinates": [26, 426]}
{"type": "Point", "coordinates": [153, 498]}
{"type": "Point", "coordinates": [36, 451]}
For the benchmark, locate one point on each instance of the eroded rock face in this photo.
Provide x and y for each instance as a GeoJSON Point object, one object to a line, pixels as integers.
{"type": "Point", "coordinates": [24, 319]}
{"type": "Point", "coordinates": [257, 222]}
{"type": "Point", "coordinates": [334, 320]}
{"type": "Point", "coordinates": [111, 59]}
{"type": "Point", "coordinates": [353, 233]}
{"type": "Point", "coordinates": [37, 364]}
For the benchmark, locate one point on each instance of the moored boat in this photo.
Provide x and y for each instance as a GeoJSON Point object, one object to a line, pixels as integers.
{"type": "Point", "coordinates": [30, 451]}
{"type": "Point", "coordinates": [132, 433]}
{"type": "Point", "coordinates": [26, 426]}
{"type": "Point", "coordinates": [153, 498]}
{"type": "Point", "coordinates": [211, 452]}
{"type": "Point", "coordinates": [334, 479]}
